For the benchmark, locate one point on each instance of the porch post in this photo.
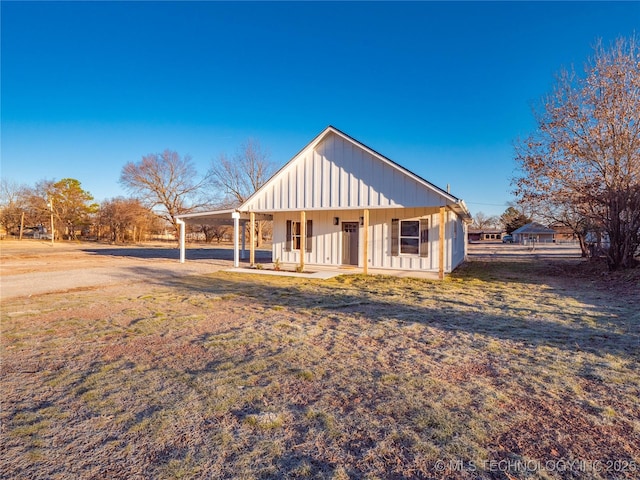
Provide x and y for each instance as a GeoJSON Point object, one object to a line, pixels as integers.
{"type": "Point", "coordinates": [252, 238]}
{"type": "Point", "coordinates": [244, 239]}
{"type": "Point", "coordinates": [181, 239]}
{"type": "Point", "coordinates": [303, 238]}
{"type": "Point", "coordinates": [365, 268]}
{"type": "Point", "coordinates": [441, 245]}
{"type": "Point", "coordinates": [236, 232]}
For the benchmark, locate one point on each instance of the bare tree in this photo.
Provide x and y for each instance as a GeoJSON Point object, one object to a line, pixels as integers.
{"type": "Point", "coordinates": [167, 183]}
{"type": "Point", "coordinates": [125, 218]}
{"type": "Point", "coordinates": [13, 204]}
{"type": "Point", "coordinates": [239, 177]}
{"type": "Point", "coordinates": [566, 214]}
{"type": "Point", "coordinates": [34, 204]}
{"type": "Point", "coordinates": [586, 149]}
{"type": "Point", "coordinates": [482, 220]}
{"type": "Point", "coordinates": [214, 231]}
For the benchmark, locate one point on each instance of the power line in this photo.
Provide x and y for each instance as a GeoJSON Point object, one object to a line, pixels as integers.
{"type": "Point", "coordinates": [490, 204]}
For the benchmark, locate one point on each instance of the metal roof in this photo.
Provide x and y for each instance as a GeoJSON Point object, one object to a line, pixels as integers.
{"type": "Point", "coordinates": [534, 228]}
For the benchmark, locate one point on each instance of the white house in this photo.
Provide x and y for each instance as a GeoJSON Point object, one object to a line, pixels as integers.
{"type": "Point", "coordinates": [338, 202]}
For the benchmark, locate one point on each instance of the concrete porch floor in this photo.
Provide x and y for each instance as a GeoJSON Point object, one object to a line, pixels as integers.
{"type": "Point", "coordinates": [324, 272]}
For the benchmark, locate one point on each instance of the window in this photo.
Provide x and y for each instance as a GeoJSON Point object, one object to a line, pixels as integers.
{"type": "Point", "coordinates": [410, 237]}
{"type": "Point", "coordinates": [295, 235]}
{"type": "Point", "coordinates": [292, 241]}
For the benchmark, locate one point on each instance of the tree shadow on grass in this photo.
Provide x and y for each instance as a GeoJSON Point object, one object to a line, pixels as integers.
{"type": "Point", "coordinates": [172, 253]}
{"type": "Point", "coordinates": [608, 331]}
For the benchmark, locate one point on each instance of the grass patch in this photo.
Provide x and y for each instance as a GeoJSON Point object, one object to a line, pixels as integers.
{"type": "Point", "coordinates": [231, 376]}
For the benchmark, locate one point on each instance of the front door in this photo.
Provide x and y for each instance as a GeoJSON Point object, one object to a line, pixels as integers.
{"type": "Point", "coordinates": [350, 243]}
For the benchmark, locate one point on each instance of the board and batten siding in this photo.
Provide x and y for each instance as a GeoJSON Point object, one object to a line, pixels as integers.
{"type": "Point", "coordinates": [326, 243]}
{"type": "Point", "coordinates": [336, 174]}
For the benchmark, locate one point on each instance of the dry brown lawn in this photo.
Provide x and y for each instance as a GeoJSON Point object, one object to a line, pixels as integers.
{"type": "Point", "coordinates": [521, 369]}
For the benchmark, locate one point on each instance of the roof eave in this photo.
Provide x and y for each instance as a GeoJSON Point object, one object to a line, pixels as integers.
{"type": "Point", "coordinates": [210, 213]}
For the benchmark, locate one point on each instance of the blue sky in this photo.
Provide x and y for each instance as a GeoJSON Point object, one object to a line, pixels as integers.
{"type": "Point", "coordinates": [444, 89]}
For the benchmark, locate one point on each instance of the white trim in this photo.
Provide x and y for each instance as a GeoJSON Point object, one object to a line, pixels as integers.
{"type": "Point", "coordinates": [216, 213]}
{"type": "Point", "coordinates": [181, 240]}
{"type": "Point", "coordinates": [236, 228]}
{"type": "Point", "coordinates": [400, 237]}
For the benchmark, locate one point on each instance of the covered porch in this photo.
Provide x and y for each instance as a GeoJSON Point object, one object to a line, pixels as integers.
{"type": "Point", "coordinates": [231, 217]}
{"type": "Point", "coordinates": [241, 220]}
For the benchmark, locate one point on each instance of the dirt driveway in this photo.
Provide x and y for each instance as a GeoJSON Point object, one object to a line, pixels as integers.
{"type": "Point", "coordinates": [32, 267]}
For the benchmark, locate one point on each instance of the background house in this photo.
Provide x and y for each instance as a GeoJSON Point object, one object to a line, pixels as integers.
{"type": "Point", "coordinates": [534, 232]}
{"type": "Point", "coordinates": [485, 234]}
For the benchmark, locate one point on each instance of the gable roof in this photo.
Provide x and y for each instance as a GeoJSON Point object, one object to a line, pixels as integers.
{"type": "Point", "coordinates": [336, 171]}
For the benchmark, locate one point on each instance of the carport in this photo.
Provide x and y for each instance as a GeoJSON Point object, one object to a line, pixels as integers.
{"type": "Point", "coordinates": [230, 217]}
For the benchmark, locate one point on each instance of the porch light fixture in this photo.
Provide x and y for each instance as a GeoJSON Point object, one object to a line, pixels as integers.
{"type": "Point", "coordinates": [336, 220]}
{"type": "Point", "coordinates": [361, 221]}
